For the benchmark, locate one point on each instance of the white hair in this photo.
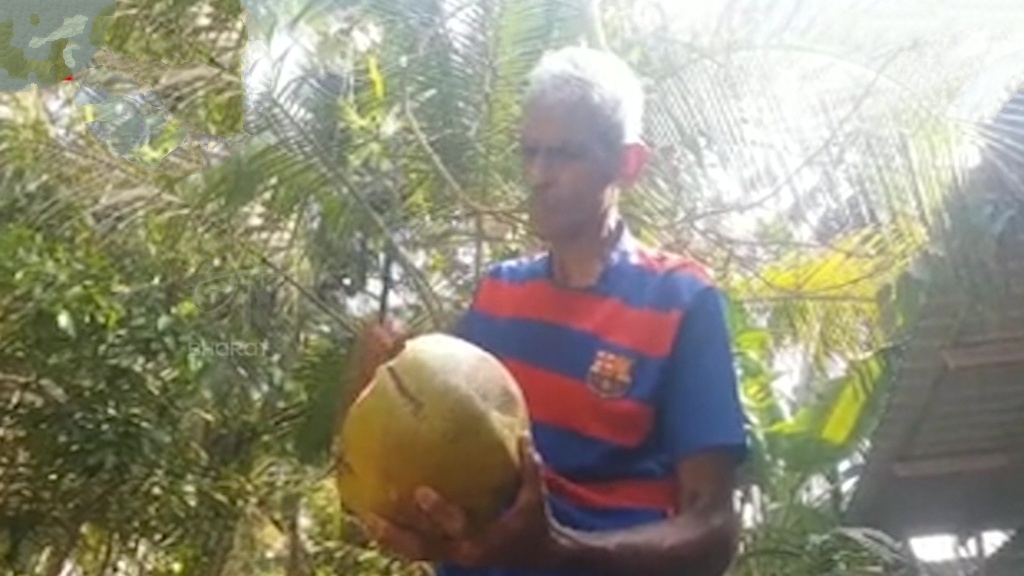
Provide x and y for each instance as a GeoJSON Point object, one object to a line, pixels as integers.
{"type": "Point", "coordinates": [597, 79]}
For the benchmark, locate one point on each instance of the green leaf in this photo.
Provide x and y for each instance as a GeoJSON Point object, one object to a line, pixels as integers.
{"type": "Point", "coordinates": [844, 418]}
{"type": "Point", "coordinates": [841, 414]}
{"type": "Point", "coordinates": [321, 374]}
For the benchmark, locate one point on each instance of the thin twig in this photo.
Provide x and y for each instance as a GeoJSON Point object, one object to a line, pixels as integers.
{"type": "Point", "coordinates": [832, 137]}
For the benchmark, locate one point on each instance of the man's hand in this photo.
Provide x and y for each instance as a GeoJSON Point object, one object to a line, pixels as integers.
{"type": "Point", "coordinates": [522, 538]}
{"type": "Point", "coordinates": [378, 343]}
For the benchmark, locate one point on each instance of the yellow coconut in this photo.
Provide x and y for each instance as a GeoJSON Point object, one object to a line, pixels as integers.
{"type": "Point", "coordinates": [443, 413]}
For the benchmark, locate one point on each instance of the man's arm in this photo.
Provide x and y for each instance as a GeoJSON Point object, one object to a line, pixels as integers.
{"type": "Point", "coordinates": [702, 426]}
{"type": "Point", "coordinates": [699, 541]}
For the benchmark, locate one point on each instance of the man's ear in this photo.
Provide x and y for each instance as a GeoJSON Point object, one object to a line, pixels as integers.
{"type": "Point", "coordinates": [634, 160]}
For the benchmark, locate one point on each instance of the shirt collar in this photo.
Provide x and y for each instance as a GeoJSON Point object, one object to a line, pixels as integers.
{"type": "Point", "coordinates": [622, 249]}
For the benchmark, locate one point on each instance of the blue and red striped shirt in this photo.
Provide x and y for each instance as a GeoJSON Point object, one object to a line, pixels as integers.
{"type": "Point", "coordinates": [622, 379]}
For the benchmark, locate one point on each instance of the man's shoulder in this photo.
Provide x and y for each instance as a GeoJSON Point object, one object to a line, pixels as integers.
{"type": "Point", "coordinates": [664, 262]}
{"type": "Point", "coordinates": [518, 268]}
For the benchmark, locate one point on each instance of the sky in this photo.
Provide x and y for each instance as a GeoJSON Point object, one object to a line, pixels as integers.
{"type": "Point", "coordinates": [865, 31]}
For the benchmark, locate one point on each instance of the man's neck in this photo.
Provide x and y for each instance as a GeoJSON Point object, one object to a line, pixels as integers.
{"type": "Point", "coordinates": [578, 263]}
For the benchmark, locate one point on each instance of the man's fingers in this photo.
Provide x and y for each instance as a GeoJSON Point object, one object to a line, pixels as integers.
{"type": "Point", "coordinates": [396, 540]}
{"type": "Point", "coordinates": [450, 519]}
{"type": "Point", "coordinates": [421, 522]}
{"type": "Point", "coordinates": [533, 482]}
{"type": "Point", "coordinates": [468, 554]}
{"type": "Point", "coordinates": [532, 465]}
{"type": "Point", "coordinates": [383, 337]}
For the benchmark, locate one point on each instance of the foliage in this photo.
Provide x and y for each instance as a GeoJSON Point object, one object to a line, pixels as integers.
{"type": "Point", "coordinates": [145, 385]}
{"type": "Point", "coordinates": [795, 492]}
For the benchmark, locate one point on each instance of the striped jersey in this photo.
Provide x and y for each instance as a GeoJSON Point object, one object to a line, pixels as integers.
{"type": "Point", "coordinates": [622, 379]}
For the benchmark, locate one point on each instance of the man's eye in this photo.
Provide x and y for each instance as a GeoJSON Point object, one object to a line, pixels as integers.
{"type": "Point", "coordinates": [565, 154]}
{"type": "Point", "coordinates": [557, 154]}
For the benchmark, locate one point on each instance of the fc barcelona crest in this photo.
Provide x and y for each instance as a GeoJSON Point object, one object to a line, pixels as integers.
{"type": "Point", "coordinates": [610, 375]}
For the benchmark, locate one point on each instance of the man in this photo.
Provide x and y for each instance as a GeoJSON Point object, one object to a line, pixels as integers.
{"type": "Point", "coordinates": [623, 356]}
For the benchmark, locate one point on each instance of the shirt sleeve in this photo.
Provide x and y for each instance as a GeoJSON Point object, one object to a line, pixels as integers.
{"type": "Point", "coordinates": [701, 408]}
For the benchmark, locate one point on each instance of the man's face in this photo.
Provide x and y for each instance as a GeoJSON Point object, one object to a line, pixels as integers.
{"type": "Point", "coordinates": [567, 171]}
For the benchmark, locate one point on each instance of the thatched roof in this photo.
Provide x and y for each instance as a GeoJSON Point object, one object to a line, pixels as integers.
{"type": "Point", "coordinates": [948, 454]}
